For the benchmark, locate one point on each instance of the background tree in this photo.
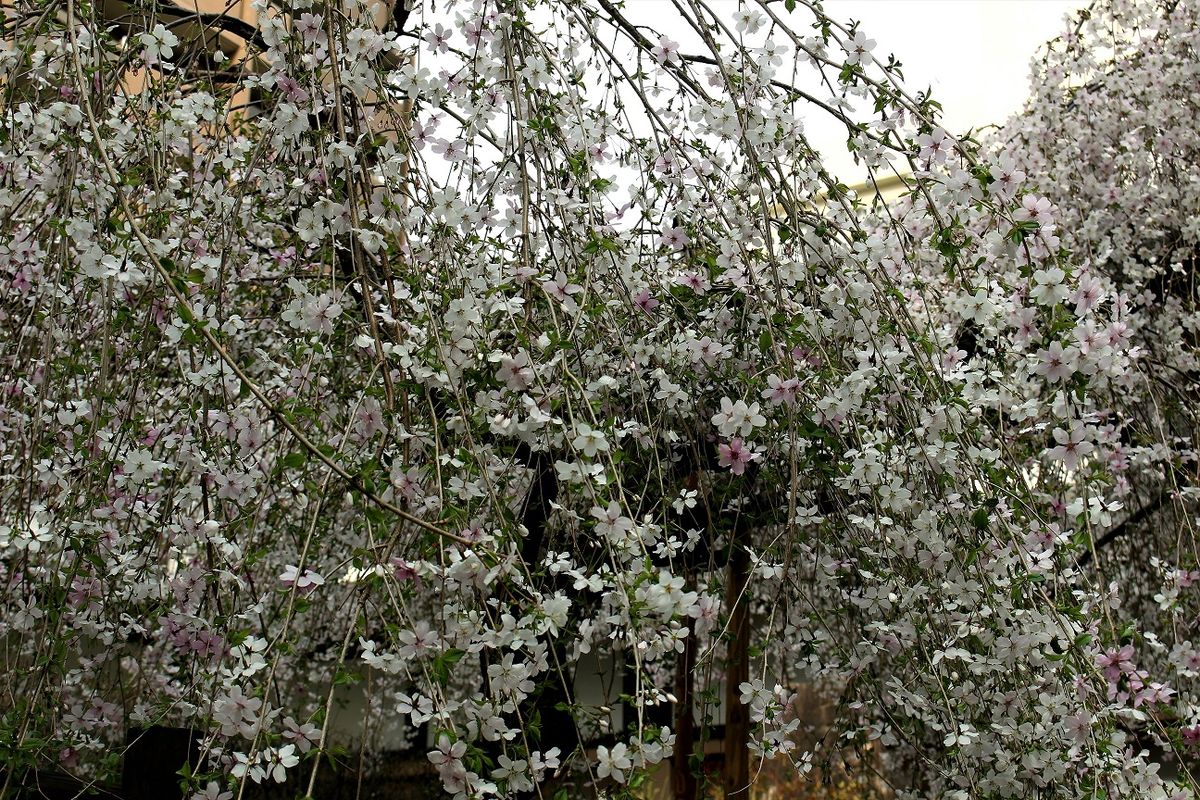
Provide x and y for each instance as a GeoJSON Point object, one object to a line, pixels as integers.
{"type": "Point", "coordinates": [1109, 138]}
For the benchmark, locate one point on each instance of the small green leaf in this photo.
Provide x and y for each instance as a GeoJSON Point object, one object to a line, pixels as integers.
{"type": "Point", "coordinates": [293, 460]}
{"type": "Point", "coordinates": [980, 518]}
{"type": "Point", "coordinates": [444, 662]}
{"type": "Point", "coordinates": [344, 677]}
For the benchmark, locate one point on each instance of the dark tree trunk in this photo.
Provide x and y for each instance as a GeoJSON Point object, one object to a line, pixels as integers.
{"type": "Point", "coordinates": [737, 667]}
{"type": "Point", "coordinates": [153, 759]}
{"type": "Point", "coordinates": [683, 782]}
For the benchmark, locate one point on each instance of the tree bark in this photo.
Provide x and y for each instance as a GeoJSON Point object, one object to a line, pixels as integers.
{"type": "Point", "coordinates": [737, 668]}
{"type": "Point", "coordinates": [683, 782]}
{"type": "Point", "coordinates": [153, 758]}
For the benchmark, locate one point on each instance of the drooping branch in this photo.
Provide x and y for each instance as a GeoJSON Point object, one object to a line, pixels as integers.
{"type": "Point", "coordinates": [1128, 524]}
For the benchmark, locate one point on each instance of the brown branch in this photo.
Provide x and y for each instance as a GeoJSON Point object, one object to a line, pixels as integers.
{"type": "Point", "coordinates": [130, 20]}
{"type": "Point", "coordinates": [1130, 522]}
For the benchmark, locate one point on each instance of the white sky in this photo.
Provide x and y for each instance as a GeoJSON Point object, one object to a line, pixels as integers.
{"type": "Point", "coordinates": [975, 55]}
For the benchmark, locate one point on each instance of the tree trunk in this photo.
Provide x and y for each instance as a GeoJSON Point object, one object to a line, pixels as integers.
{"type": "Point", "coordinates": [683, 782]}
{"type": "Point", "coordinates": [153, 758]}
{"type": "Point", "coordinates": [737, 669]}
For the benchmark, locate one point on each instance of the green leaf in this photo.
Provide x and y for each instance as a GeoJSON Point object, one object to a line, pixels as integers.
{"type": "Point", "coordinates": [444, 662]}
{"type": "Point", "coordinates": [293, 460]}
{"type": "Point", "coordinates": [1022, 230]}
{"type": "Point", "coordinates": [980, 518]}
{"type": "Point", "coordinates": [344, 677]}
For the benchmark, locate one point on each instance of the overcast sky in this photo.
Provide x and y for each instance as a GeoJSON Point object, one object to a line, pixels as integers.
{"type": "Point", "coordinates": [974, 53]}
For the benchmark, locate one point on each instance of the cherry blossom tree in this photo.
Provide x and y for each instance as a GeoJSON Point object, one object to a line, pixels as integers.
{"type": "Point", "coordinates": [1108, 140]}
{"type": "Point", "coordinates": [438, 349]}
